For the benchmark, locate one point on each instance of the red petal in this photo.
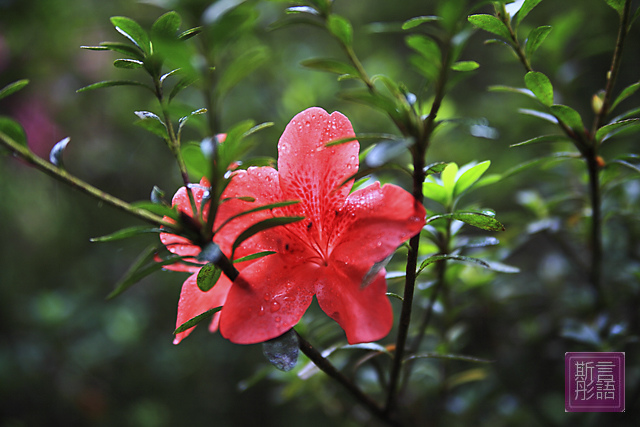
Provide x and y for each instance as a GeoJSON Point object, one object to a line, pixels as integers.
{"type": "Point", "coordinates": [311, 172]}
{"type": "Point", "coordinates": [267, 300]}
{"type": "Point", "coordinates": [364, 313]}
{"type": "Point", "coordinates": [261, 184]}
{"type": "Point", "coordinates": [176, 244]}
{"type": "Point", "coordinates": [373, 223]}
{"type": "Point", "coordinates": [194, 302]}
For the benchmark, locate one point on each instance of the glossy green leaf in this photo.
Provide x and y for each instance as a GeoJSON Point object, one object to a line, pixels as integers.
{"type": "Point", "coordinates": [510, 89]}
{"type": "Point", "coordinates": [55, 155]}
{"type": "Point", "coordinates": [341, 28]}
{"type": "Point", "coordinates": [478, 242]}
{"type": "Point", "coordinates": [627, 164]}
{"type": "Point", "coordinates": [13, 130]}
{"type": "Point", "coordinates": [282, 352]}
{"type": "Point", "coordinates": [152, 123]}
{"type": "Point", "coordinates": [124, 48]}
{"type": "Point", "coordinates": [448, 177]}
{"type": "Point", "coordinates": [418, 20]}
{"type": "Point", "coordinates": [541, 139]}
{"type": "Point", "coordinates": [535, 39]}
{"type": "Point", "coordinates": [157, 209]}
{"type": "Point", "coordinates": [191, 32]}
{"type": "Point", "coordinates": [13, 88]}
{"type": "Point", "coordinates": [469, 177]}
{"type": "Point", "coordinates": [255, 256]}
{"type": "Point", "coordinates": [133, 31]}
{"type": "Point", "coordinates": [110, 83]}
{"type": "Point", "coordinates": [208, 276]}
{"type": "Point", "coordinates": [434, 168]}
{"type": "Point", "coordinates": [539, 114]}
{"type": "Point", "coordinates": [435, 258]}
{"type": "Point", "coordinates": [606, 132]}
{"type": "Point", "coordinates": [476, 219]}
{"type": "Point", "coordinates": [491, 24]}
{"type": "Point", "coordinates": [125, 233]}
{"type": "Point", "coordinates": [541, 87]}
{"type": "Point", "coordinates": [330, 65]}
{"type": "Point", "coordinates": [263, 225]}
{"type": "Point", "coordinates": [568, 116]}
{"type": "Point", "coordinates": [167, 25]}
{"type": "Point", "coordinates": [128, 63]}
{"type": "Point", "coordinates": [527, 7]}
{"type": "Point", "coordinates": [626, 92]}
{"type": "Point", "coordinates": [196, 319]}
{"type": "Point", "coordinates": [303, 9]}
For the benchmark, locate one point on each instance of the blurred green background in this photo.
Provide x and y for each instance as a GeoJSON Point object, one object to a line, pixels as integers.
{"type": "Point", "coordinates": [69, 357]}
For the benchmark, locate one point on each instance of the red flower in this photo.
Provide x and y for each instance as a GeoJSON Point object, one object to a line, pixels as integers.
{"type": "Point", "coordinates": [327, 254]}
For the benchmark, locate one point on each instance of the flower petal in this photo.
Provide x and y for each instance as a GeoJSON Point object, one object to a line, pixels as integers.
{"type": "Point", "coordinates": [363, 312]}
{"type": "Point", "coordinates": [372, 224]}
{"type": "Point", "coordinates": [267, 300]}
{"type": "Point", "coordinates": [311, 172]}
{"type": "Point", "coordinates": [194, 302]}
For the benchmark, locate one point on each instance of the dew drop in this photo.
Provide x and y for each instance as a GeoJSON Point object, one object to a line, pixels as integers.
{"type": "Point", "coordinates": [278, 318]}
{"type": "Point", "coordinates": [379, 243]}
{"type": "Point", "coordinates": [261, 311]}
{"type": "Point", "coordinates": [267, 296]}
{"type": "Point", "coordinates": [275, 306]}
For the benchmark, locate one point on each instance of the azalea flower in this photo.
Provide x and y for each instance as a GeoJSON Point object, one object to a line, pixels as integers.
{"type": "Point", "coordinates": [335, 253]}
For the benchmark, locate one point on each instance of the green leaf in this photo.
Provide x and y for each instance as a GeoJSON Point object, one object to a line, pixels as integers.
{"type": "Point", "coordinates": [125, 233]}
{"type": "Point", "coordinates": [465, 66]}
{"type": "Point", "coordinates": [539, 114]}
{"type": "Point", "coordinates": [191, 32]}
{"type": "Point", "coordinates": [261, 226]}
{"type": "Point", "coordinates": [109, 83]}
{"type": "Point", "coordinates": [13, 87]}
{"type": "Point", "coordinates": [425, 46]}
{"type": "Point", "coordinates": [208, 276]}
{"type": "Point", "coordinates": [435, 192]}
{"type": "Point", "coordinates": [13, 130]}
{"type": "Point", "coordinates": [196, 319]}
{"type": "Point", "coordinates": [197, 165]}
{"type": "Point", "coordinates": [257, 128]}
{"type": "Point", "coordinates": [469, 177]}
{"type": "Point", "coordinates": [448, 177]}
{"type": "Point", "coordinates": [152, 123]}
{"type": "Point", "coordinates": [133, 31]}
{"type": "Point", "coordinates": [527, 7]}
{"type": "Point", "coordinates": [157, 209]}
{"type": "Point", "coordinates": [535, 39]}
{"type": "Point", "coordinates": [254, 256]}
{"type": "Point", "coordinates": [541, 87]}
{"type": "Point", "coordinates": [183, 83]}
{"type": "Point", "coordinates": [303, 9]}
{"type": "Point", "coordinates": [418, 20]}
{"type": "Point", "coordinates": [341, 28]}
{"type": "Point", "coordinates": [128, 63]}
{"type": "Point", "coordinates": [606, 132]}
{"type": "Point", "coordinates": [476, 219]}
{"type": "Point", "coordinates": [331, 66]}
{"type": "Point", "coordinates": [510, 89]}
{"type": "Point", "coordinates": [491, 24]}
{"type": "Point", "coordinates": [118, 47]}
{"type": "Point", "coordinates": [626, 92]}
{"type": "Point", "coordinates": [540, 139]}
{"type": "Point", "coordinates": [241, 67]}
{"type": "Point", "coordinates": [434, 168]}
{"type": "Point", "coordinates": [167, 25]}
{"type": "Point", "coordinates": [539, 161]}
{"type": "Point", "coordinates": [435, 258]}
{"type": "Point", "coordinates": [617, 5]}
{"type": "Point", "coordinates": [258, 209]}
{"type": "Point", "coordinates": [448, 357]}
{"type": "Point", "coordinates": [568, 116]}
{"type": "Point", "coordinates": [282, 352]}
{"type": "Point", "coordinates": [478, 242]}
{"type": "Point", "coordinates": [375, 100]}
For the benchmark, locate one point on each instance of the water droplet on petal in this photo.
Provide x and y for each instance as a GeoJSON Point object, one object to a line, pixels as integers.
{"type": "Point", "coordinates": [261, 311]}
{"type": "Point", "coordinates": [278, 318]}
{"type": "Point", "coordinates": [275, 306]}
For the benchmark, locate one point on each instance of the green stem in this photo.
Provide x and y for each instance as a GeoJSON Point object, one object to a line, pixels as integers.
{"type": "Point", "coordinates": [328, 368]}
{"type": "Point", "coordinates": [62, 175]}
